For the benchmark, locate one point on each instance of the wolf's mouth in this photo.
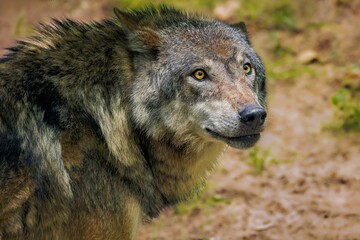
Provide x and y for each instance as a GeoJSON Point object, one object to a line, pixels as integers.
{"type": "Point", "coordinates": [242, 141]}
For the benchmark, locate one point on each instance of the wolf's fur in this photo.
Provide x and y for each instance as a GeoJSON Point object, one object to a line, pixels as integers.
{"type": "Point", "coordinates": [103, 125]}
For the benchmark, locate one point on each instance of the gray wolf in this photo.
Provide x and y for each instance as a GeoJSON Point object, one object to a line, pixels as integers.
{"type": "Point", "coordinates": [103, 125]}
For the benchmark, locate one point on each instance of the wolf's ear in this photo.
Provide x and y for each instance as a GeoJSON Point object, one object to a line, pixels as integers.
{"type": "Point", "coordinates": [242, 28]}
{"type": "Point", "coordinates": [140, 38]}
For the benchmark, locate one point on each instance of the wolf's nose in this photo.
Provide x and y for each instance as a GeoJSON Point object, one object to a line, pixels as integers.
{"type": "Point", "coordinates": [253, 116]}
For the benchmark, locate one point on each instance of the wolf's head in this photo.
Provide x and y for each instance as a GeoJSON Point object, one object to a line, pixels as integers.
{"type": "Point", "coordinates": [194, 77]}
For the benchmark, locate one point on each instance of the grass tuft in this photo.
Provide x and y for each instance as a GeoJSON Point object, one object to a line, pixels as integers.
{"type": "Point", "coordinates": [260, 158]}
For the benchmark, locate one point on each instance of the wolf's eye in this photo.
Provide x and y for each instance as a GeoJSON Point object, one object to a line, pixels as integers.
{"type": "Point", "coordinates": [199, 74]}
{"type": "Point", "coordinates": [247, 68]}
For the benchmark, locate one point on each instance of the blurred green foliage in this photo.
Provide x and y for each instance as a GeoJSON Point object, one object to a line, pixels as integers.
{"type": "Point", "coordinates": [21, 28]}
{"type": "Point", "coordinates": [201, 204]}
{"type": "Point", "coordinates": [347, 110]}
{"type": "Point", "coordinates": [268, 14]}
{"type": "Point", "coordinates": [259, 158]}
{"type": "Point", "coordinates": [288, 69]}
{"type": "Point", "coordinates": [197, 5]}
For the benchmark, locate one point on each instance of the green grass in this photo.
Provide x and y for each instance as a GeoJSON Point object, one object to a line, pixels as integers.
{"type": "Point", "coordinates": [260, 158]}
{"type": "Point", "coordinates": [347, 110]}
{"type": "Point", "coordinates": [21, 28]}
{"type": "Point", "coordinates": [269, 14]}
{"type": "Point", "coordinates": [201, 202]}
{"type": "Point", "coordinates": [346, 102]}
{"type": "Point", "coordinates": [288, 69]}
{"type": "Point", "coordinates": [205, 6]}
{"type": "Point", "coordinates": [205, 203]}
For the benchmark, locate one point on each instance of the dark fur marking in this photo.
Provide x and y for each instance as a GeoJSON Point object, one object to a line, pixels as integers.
{"type": "Point", "coordinates": [49, 99]}
{"type": "Point", "coordinates": [10, 149]}
{"type": "Point", "coordinates": [152, 210]}
{"type": "Point", "coordinates": [55, 71]}
{"type": "Point", "coordinates": [5, 59]}
{"type": "Point", "coordinates": [43, 93]}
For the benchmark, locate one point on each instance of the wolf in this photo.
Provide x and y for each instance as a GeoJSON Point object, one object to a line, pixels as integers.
{"type": "Point", "coordinates": [103, 125]}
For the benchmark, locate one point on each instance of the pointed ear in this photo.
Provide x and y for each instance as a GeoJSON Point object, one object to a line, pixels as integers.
{"type": "Point", "coordinates": [140, 38]}
{"type": "Point", "coordinates": [242, 28]}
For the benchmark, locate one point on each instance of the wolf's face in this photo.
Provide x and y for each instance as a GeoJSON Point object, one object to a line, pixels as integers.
{"type": "Point", "coordinates": [206, 80]}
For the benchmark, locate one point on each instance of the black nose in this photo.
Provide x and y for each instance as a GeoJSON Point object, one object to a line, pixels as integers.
{"type": "Point", "coordinates": [253, 116]}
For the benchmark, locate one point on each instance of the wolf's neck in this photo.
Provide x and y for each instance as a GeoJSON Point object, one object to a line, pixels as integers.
{"type": "Point", "coordinates": [180, 169]}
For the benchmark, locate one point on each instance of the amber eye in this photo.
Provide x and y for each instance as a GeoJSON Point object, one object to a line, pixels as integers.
{"type": "Point", "coordinates": [199, 74]}
{"type": "Point", "coordinates": [247, 68]}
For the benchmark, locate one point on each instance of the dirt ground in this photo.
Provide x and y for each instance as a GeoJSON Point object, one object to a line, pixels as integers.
{"type": "Point", "coordinates": [309, 188]}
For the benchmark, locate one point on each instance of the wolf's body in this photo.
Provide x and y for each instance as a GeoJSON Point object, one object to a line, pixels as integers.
{"type": "Point", "coordinates": [104, 125]}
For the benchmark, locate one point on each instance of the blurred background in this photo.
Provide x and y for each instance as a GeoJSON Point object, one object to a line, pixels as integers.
{"type": "Point", "coordinates": [302, 181]}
